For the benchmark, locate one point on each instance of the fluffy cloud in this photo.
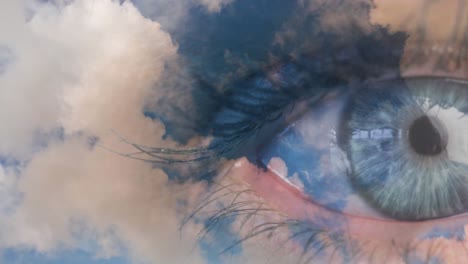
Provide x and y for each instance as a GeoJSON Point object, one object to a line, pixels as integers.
{"type": "Point", "coordinates": [80, 70]}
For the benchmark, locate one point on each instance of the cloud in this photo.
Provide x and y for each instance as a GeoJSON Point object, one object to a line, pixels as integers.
{"type": "Point", "coordinates": [214, 5]}
{"type": "Point", "coordinates": [171, 14]}
{"type": "Point", "coordinates": [82, 69]}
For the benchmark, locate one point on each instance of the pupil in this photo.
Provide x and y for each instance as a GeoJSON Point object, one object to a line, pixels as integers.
{"type": "Point", "coordinates": [425, 138]}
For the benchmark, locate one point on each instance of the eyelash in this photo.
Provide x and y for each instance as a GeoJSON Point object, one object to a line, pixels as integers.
{"type": "Point", "coordinates": [249, 210]}
{"type": "Point", "coordinates": [248, 107]}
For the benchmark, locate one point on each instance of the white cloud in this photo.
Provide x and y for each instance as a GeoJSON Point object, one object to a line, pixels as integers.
{"type": "Point", "coordinates": [214, 5]}
{"type": "Point", "coordinates": [86, 67]}
{"type": "Point", "coordinates": [171, 14]}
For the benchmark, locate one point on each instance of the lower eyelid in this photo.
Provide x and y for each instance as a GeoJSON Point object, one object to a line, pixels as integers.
{"type": "Point", "coordinates": [288, 200]}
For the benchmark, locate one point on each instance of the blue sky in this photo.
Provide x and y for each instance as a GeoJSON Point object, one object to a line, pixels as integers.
{"type": "Point", "coordinates": [12, 256]}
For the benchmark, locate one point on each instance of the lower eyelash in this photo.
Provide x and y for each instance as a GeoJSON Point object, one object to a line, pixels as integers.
{"type": "Point", "coordinates": [249, 209]}
{"type": "Point", "coordinates": [309, 243]}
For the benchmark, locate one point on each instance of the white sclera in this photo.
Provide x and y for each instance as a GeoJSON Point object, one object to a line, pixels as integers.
{"type": "Point", "coordinates": [317, 130]}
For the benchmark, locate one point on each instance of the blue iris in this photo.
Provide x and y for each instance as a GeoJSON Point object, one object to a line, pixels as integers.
{"type": "Point", "coordinates": [403, 150]}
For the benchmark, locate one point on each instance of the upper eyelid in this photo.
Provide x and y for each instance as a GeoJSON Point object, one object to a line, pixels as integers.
{"type": "Point", "coordinates": [269, 91]}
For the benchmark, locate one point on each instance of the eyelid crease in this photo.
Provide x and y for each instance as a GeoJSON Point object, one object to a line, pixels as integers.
{"type": "Point", "coordinates": [439, 59]}
{"type": "Point", "coordinates": [414, 76]}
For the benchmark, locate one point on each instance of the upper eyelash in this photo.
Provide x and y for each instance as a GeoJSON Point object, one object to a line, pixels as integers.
{"type": "Point", "coordinates": [297, 76]}
{"type": "Point", "coordinates": [247, 108]}
{"type": "Point", "coordinates": [250, 104]}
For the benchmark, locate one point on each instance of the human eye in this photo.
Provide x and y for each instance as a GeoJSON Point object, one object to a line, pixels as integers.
{"type": "Point", "coordinates": [352, 154]}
